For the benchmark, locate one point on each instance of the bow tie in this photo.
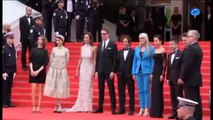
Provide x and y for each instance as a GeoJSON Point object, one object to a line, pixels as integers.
{"type": "Point", "coordinates": [28, 17]}
{"type": "Point", "coordinates": [174, 52]}
{"type": "Point", "coordinates": [126, 49]}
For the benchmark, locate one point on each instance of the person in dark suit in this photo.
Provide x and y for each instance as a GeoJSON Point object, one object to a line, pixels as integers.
{"type": "Point", "coordinates": [190, 73]}
{"type": "Point", "coordinates": [95, 19]}
{"type": "Point", "coordinates": [105, 69]}
{"type": "Point", "coordinates": [196, 21]}
{"type": "Point", "coordinates": [134, 25]}
{"type": "Point", "coordinates": [124, 72]}
{"type": "Point", "coordinates": [81, 7]}
{"type": "Point", "coordinates": [159, 21]}
{"type": "Point", "coordinates": [208, 22]}
{"type": "Point", "coordinates": [6, 29]}
{"type": "Point", "coordinates": [69, 8]}
{"type": "Point", "coordinates": [25, 23]}
{"type": "Point", "coordinates": [47, 12]}
{"type": "Point", "coordinates": [60, 19]}
{"type": "Point", "coordinates": [173, 71]}
{"type": "Point", "coordinates": [36, 30]}
{"type": "Point", "coordinates": [8, 69]}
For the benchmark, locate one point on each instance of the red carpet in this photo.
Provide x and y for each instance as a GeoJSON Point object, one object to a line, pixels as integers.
{"type": "Point", "coordinates": [24, 113]}
{"type": "Point", "coordinates": [21, 94]}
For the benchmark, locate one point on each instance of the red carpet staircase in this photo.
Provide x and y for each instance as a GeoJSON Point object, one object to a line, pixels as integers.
{"type": "Point", "coordinates": [21, 93]}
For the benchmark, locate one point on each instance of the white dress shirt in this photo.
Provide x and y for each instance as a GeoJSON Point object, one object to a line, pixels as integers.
{"type": "Point", "coordinates": [106, 43]}
{"type": "Point", "coordinates": [69, 6]}
{"type": "Point", "coordinates": [125, 54]}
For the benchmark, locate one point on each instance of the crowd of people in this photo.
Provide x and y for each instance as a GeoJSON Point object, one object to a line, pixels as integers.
{"type": "Point", "coordinates": [147, 64]}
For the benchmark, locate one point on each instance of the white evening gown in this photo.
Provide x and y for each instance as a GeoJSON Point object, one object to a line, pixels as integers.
{"type": "Point", "coordinates": [85, 92]}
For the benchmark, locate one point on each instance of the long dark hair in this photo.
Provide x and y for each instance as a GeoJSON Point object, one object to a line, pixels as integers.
{"type": "Point", "coordinates": [44, 39]}
{"type": "Point", "coordinates": [90, 37]}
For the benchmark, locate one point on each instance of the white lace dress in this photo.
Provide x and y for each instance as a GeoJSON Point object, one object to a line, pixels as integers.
{"type": "Point", "coordinates": [85, 92]}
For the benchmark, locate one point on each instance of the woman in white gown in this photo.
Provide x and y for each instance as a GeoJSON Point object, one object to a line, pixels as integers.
{"type": "Point", "coordinates": [85, 71]}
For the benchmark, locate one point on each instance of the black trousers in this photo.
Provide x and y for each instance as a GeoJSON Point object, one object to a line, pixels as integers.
{"type": "Point", "coordinates": [7, 88]}
{"type": "Point", "coordinates": [69, 24]}
{"type": "Point", "coordinates": [80, 24]}
{"type": "Point", "coordinates": [193, 93]}
{"type": "Point", "coordinates": [122, 82]}
{"type": "Point", "coordinates": [25, 45]}
{"type": "Point", "coordinates": [175, 91]}
{"type": "Point", "coordinates": [101, 85]}
{"type": "Point", "coordinates": [47, 15]}
{"type": "Point", "coordinates": [95, 26]}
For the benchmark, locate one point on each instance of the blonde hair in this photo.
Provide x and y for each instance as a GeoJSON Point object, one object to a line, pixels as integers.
{"type": "Point", "coordinates": [147, 44]}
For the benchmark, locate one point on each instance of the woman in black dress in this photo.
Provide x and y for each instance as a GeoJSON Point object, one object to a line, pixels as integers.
{"type": "Point", "coordinates": [176, 23]}
{"type": "Point", "coordinates": [157, 78]}
{"type": "Point", "coordinates": [38, 61]}
{"type": "Point", "coordinates": [123, 27]}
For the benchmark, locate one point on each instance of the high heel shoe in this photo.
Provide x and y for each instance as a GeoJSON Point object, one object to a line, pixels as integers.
{"type": "Point", "coordinates": [59, 110]}
{"type": "Point", "coordinates": [33, 109]}
{"type": "Point", "coordinates": [141, 112]}
{"type": "Point", "coordinates": [55, 109]}
{"type": "Point", "coordinates": [38, 109]}
{"type": "Point", "coordinates": [146, 113]}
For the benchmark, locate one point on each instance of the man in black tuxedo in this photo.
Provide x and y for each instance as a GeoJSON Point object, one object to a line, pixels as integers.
{"type": "Point", "coordinates": [25, 23]}
{"type": "Point", "coordinates": [190, 74]}
{"type": "Point", "coordinates": [124, 72]}
{"type": "Point", "coordinates": [173, 71]}
{"type": "Point", "coordinates": [105, 69]}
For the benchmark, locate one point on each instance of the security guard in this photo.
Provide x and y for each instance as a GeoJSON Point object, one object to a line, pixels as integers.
{"type": "Point", "coordinates": [60, 19]}
{"type": "Point", "coordinates": [81, 8]}
{"type": "Point", "coordinates": [36, 30]}
{"type": "Point", "coordinates": [95, 19]}
{"type": "Point", "coordinates": [8, 69]}
{"type": "Point", "coordinates": [186, 108]}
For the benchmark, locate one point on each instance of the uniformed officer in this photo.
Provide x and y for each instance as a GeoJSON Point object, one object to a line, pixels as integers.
{"type": "Point", "coordinates": [95, 19]}
{"type": "Point", "coordinates": [6, 29]}
{"type": "Point", "coordinates": [60, 19]}
{"type": "Point", "coordinates": [186, 108]}
{"type": "Point", "coordinates": [36, 30]}
{"type": "Point", "coordinates": [8, 69]}
{"type": "Point", "coordinates": [47, 12]}
{"type": "Point", "coordinates": [81, 7]}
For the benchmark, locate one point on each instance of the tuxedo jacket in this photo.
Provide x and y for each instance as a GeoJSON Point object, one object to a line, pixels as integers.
{"type": "Point", "coordinates": [191, 67]}
{"type": "Point", "coordinates": [146, 62]}
{"type": "Point", "coordinates": [173, 70]}
{"type": "Point", "coordinates": [24, 27]}
{"type": "Point", "coordinates": [106, 60]}
{"type": "Point", "coordinates": [125, 66]}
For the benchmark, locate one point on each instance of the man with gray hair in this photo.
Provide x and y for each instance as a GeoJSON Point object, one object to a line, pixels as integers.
{"type": "Point", "coordinates": [190, 74]}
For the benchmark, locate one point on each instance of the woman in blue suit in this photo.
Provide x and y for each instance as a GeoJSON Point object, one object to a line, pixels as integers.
{"type": "Point", "coordinates": [143, 63]}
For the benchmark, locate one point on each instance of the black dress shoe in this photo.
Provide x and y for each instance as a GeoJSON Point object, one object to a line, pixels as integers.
{"type": "Point", "coordinates": [130, 113]}
{"type": "Point", "coordinates": [24, 68]}
{"type": "Point", "coordinates": [99, 110]}
{"type": "Point", "coordinates": [113, 112]}
{"type": "Point", "coordinates": [121, 112]}
{"type": "Point", "coordinates": [5, 106]}
{"type": "Point", "coordinates": [11, 105]}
